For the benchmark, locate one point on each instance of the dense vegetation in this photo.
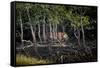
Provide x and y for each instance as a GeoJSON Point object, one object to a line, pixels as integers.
{"type": "Point", "coordinates": [57, 33]}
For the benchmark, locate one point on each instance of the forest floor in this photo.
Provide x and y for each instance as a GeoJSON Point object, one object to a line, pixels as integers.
{"type": "Point", "coordinates": [57, 53]}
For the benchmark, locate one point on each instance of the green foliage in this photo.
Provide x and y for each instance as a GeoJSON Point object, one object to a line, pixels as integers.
{"type": "Point", "coordinates": [55, 14]}
{"type": "Point", "coordinates": [75, 14]}
{"type": "Point", "coordinates": [85, 20]}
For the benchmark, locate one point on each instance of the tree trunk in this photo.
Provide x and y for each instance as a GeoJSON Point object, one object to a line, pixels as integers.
{"type": "Point", "coordinates": [77, 35]}
{"type": "Point", "coordinates": [50, 49]}
{"type": "Point", "coordinates": [31, 27]}
{"type": "Point", "coordinates": [21, 29]}
{"type": "Point", "coordinates": [44, 35]}
{"type": "Point", "coordinates": [53, 32]}
{"type": "Point", "coordinates": [50, 31]}
{"type": "Point", "coordinates": [87, 49]}
{"type": "Point", "coordinates": [39, 32]}
{"type": "Point", "coordinates": [56, 31]}
{"type": "Point", "coordinates": [83, 32]}
{"type": "Point", "coordinates": [63, 29]}
{"type": "Point", "coordinates": [33, 33]}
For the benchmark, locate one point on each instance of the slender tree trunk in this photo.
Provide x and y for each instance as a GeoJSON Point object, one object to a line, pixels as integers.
{"type": "Point", "coordinates": [22, 34]}
{"type": "Point", "coordinates": [39, 32]}
{"type": "Point", "coordinates": [44, 39]}
{"type": "Point", "coordinates": [56, 31]}
{"type": "Point", "coordinates": [44, 35]}
{"type": "Point", "coordinates": [79, 42]}
{"type": "Point", "coordinates": [50, 36]}
{"type": "Point", "coordinates": [63, 29]}
{"type": "Point", "coordinates": [46, 32]}
{"type": "Point", "coordinates": [53, 31]}
{"type": "Point", "coordinates": [83, 32]}
{"type": "Point", "coordinates": [87, 49]}
{"type": "Point", "coordinates": [31, 27]}
{"type": "Point", "coordinates": [77, 35]}
{"type": "Point", "coordinates": [50, 31]}
{"type": "Point", "coordinates": [21, 29]}
{"type": "Point", "coordinates": [33, 33]}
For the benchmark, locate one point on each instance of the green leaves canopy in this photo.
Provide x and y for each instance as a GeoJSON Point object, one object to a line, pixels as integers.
{"type": "Point", "coordinates": [55, 14]}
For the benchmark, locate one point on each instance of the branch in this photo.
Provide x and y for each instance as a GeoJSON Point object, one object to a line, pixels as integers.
{"type": "Point", "coordinates": [75, 33]}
